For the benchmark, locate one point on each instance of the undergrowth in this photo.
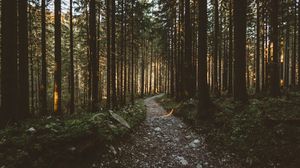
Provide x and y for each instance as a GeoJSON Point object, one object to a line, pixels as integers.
{"type": "Point", "coordinates": [64, 142]}
{"type": "Point", "coordinates": [264, 132]}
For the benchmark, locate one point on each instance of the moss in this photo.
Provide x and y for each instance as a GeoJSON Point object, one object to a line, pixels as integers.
{"type": "Point", "coordinates": [51, 141]}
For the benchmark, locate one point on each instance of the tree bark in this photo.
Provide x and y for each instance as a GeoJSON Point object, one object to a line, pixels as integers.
{"type": "Point", "coordinates": [43, 92]}
{"type": "Point", "coordinates": [57, 71]}
{"type": "Point", "coordinates": [113, 52]}
{"type": "Point", "coordinates": [9, 83]}
{"type": "Point", "coordinates": [275, 81]}
{"type": "Point", "coordinates": [239, 16]}
{"type": "Point", "coordinates": [23, 59]}
{"type": "Point", "coordinates": [204, 100]}
{"type": "Point", "coordinates": [72, 99]}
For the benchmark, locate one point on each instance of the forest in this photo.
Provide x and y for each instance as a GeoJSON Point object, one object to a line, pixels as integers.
{"type": "Point", "coordinates": [150, 83]}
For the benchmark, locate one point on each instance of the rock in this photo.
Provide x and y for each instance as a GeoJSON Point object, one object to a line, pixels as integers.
{"type": "Point", "coordinates": [119, 119]}
{"type": "Point", "coordinates": [157, 129]}
{"type": "Point", "coordinates": [94, 165]}
{"type": "Point", "coordinates": [195, 143]}
{"type": "Point", "coordinates": [188, 137]}
{"type": "Point", "coordinates": [31, 130]}
{"type": "Point", "coordinates": [72, 149]}
{"type": "Point", "coordinates": [182, 160]}
{"type": "Point", "coordinates": [199, 165]}
{"type": "Point", "coordinates": [112, 149]}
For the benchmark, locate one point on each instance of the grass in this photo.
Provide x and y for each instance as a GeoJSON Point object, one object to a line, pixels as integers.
{"type": "Point", "coordinates": [65, 142]}
{"type": "Point", "coordinates": [263, 133]}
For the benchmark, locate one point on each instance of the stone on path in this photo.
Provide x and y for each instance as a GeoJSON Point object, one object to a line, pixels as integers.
{"type": "Point", "coordinates": [182, 160]}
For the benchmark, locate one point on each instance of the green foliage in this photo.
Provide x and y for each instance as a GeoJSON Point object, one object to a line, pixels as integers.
{"type": "Point", "coordinates": [38, 142]}
{"type": "Point", "coordinates": [245, 130]}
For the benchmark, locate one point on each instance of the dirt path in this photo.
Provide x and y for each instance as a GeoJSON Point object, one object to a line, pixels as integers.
{"type": "Point", "coordinates": [161, 141]}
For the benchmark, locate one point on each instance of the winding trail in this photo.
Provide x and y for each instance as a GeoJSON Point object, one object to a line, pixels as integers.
{"type": "Point", "coordinates": [161, 141]}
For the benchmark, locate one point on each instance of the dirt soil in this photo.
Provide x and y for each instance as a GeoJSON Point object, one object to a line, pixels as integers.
{"type": "Point", "coordinates": [163, 141]}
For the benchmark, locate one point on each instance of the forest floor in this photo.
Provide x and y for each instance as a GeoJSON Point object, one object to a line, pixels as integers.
{"type": "Point", "coordinates": [163, 140]}
{"type": "Point", "coordinates": [264, 132]}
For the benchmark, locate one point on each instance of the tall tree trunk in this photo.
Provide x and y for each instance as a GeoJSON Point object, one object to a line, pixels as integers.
{"type": "Point", "coordinates": [72, 99]}
{"type": "Point", "coordinates": [287, 57]}
{"type": "Point", "coordinates": [188, 77]}
{"type": "Point", "coordinates": [293, 77]}
{"type": "Point", "coordinates": [23, 59]}
{"type": "Point", "coordinates": [94, 56]}
{"type": "Point", "coordinates": [125, 55]}
{"type": "Point", "coordinates": [275, 82]}
{"type": "Point", "coordinates": [122, 53]}
{"type": "Point", "coordinates": [298, 44]}
{"type": "Point", "coordinates": [9, 82]}
{"type": "Point", "coordinates": [43, 92]}
{"type": "Point", "coordinates": [113, 52]}
{"type": "Point", "coordinates": [239, 16]}
{"type": "Point", "coordinates": [151, 67]}
{"type": "Point", "coordinates": [216, 46]}
{"type": "Point", "coordinates": [143, 69]}
{"type": "Point", "coordinates": [108, 100]}
{"type": "Point", "coordinates": [132, 51]}
{"type": "Point", "coordinates": [257, 67]}
{"type": "Point", "coordinates": [57, 71]}
{"type": "Point", "coordinates": [204, 100]}
{"type": "Point", "coordinates": [230, 68]}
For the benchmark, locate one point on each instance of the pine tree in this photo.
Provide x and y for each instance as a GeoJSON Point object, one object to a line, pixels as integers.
{"type": "Point", "coordinates": [57, 70]}
{"type": "Point", "coordinates": [239, 20]}
{"type": "Point", "coordinates": [23, 59]}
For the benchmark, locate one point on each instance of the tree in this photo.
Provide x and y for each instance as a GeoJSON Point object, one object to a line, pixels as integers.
{"type": "Point", "coordinates": [257, 67]}
{"type": "Point", "coordinates": [57, 70]}
{"type": "Point", "coordinates": [93, 55]}
{"type": "Point", "coordinates": [72, 99]}
{"type": "Point", "coordinates": [230, 60]}
{"type": "Point", "coordinates": [23, 59]}
{"type": "Point", "coordinates": [188, 77]}
{"type": "Point", "coordinates": [275, 81]}
{"type": "Point", "coordinates": [216, 49]}
{"type": "Point", "coordinates": [108, 69]}
{"type": "Point", "coordinates": [43, 92]}
{"type": "Point", "coordinates": [132, 52]}
{"type": "Point", "coordinates": [239, 21]}
{"type": "Point", "coordinates": [204, 100]}
{"type": "Point", "coordinates": [113, 52]}
{"type": "Point", "coordinates": [9, 83]}
{"type": "Point", "coordinates": [298, 44]}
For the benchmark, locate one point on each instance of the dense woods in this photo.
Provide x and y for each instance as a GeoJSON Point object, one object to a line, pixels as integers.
{"type": "Point", "coordinates": [69, 57]}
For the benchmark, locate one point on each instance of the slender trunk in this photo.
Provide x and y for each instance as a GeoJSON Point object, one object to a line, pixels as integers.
{"type": "Point", "coordinates": [23, 59]}
{"type": "Point", "coordinates": [216, 46]}
{"type": "Point", "coordinates": [72, 99]}
{"type": "Point", "coordinates": [113, 52]}
{"type": "Point", "coordinates": [132, 52]}
{"type": "Point", "coordinates": [57, 71]}
{"type": "Point", "coordinates": [202, 59]}
{"type": "Point", "coordinates": [43, 92]}
{"type": "Point", "coordinates": [275, 81]}
{"type": "Point", "coordinates": [239, 16]}
{"type": "Point", "coordinates": [108, 100]}
{"type": "Point", "coordinates": [298, 44]}
{"type": "Point", "coordinates": [257, 67]}
{"type": "Point", "coordinates": [9, 72]}
{"type": "Point", "coordinates": [230, 68]}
